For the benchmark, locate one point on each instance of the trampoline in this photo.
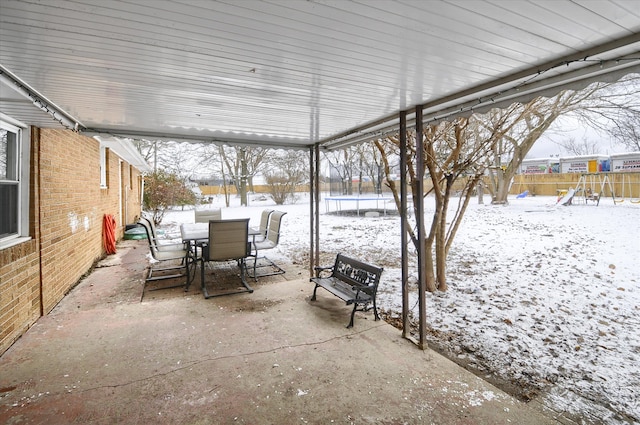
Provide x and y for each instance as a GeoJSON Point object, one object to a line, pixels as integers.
{"type": "Point", "coordinates": [357, 199]}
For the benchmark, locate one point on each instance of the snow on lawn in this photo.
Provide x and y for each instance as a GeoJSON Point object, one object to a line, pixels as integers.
{"type": "Point", "coordinates": [541, 296]}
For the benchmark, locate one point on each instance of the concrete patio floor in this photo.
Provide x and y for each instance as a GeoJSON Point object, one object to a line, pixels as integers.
{"type": "Point", "coordinates": [110, 354]}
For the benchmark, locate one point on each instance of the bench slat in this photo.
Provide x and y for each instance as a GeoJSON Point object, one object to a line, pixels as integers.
{"type": "Point", "coordinates": [342, 290]}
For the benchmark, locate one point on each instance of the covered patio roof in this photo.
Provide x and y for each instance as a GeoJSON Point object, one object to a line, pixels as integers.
{"type": "Point", "coordinates": [295, 73]}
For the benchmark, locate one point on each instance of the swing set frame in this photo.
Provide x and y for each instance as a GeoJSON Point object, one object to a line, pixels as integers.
{"type": "Point", "coordinates": [627, 179]}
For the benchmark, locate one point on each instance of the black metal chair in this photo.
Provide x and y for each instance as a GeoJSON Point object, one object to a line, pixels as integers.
{"type": "Point", "coordinates": [228, 241]}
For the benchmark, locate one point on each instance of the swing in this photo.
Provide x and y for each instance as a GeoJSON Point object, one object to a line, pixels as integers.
{"type": "Point", "coordinates": [616, 201]}
{"type": "Point", "coordinates": [629, 184]}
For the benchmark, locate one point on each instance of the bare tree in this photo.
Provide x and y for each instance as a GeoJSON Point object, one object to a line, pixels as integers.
{"type": "Point", "coordinates": [454, 156]}
{"type": "Point", "coordinates": [345, 164]}
{"type": "Point", "coordinates": [154, 152]}
{"type": "Point", "coordinates": [241, 164]}
{"type": "Point", "coordinates": [286, 171]}
{"type": "Point", "coordinates": [359, 163]}
{"type": "Point", "coordinates": [627, 130]}
{"type": "Point", "coordinates": [525, 126]}
{"type": "Point", "coordinates": [226, 174]}
{"type": "Point", "coordinates": [609, 106]}
{"type": "Point", "coordinates": [597, 106]}
{"type": "Point", "coordinates": [578, 148]}
{"type": "Point", "coordinates": [256, 162]}
{"type": "Point", "coordinates": [371, 166]}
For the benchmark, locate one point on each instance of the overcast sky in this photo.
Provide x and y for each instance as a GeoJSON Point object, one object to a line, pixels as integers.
{"type": "Point", "coordinates": [566, 128]}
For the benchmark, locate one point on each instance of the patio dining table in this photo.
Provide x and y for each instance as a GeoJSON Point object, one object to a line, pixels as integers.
{"type": "Point", "coordinates": [197, 233]}
{"type": "Point", "coordinates": [194, 233]}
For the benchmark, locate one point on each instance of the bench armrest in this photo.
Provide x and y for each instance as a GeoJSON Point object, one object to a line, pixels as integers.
{"type": "Point", "coordinates": [320, 269]}
{"type": "Point", "coordinates": [366, 289]}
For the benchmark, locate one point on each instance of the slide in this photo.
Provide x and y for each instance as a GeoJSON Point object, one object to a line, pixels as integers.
{"type": "Point", "coordinates": [566, 199]}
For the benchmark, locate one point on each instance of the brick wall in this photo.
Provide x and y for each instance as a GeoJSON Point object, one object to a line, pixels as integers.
{"type": "Point", "coordinates": [66, 219]}
{"type": "Point", "coordinates": [70, 211]}
{"type": "Point", "coordinates": [19, 291]}
{"type": "Point", "coordinates": [20, 270]}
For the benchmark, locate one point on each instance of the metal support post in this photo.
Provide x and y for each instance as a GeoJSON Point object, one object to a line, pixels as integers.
{"type": "Point", "coordinates": [422, 271]}
{"type": "Point", "coordinates": [404, 225]}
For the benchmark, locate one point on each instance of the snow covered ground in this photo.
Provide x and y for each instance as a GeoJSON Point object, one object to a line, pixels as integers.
{"type": "Point", "coordinates": [545, 298]}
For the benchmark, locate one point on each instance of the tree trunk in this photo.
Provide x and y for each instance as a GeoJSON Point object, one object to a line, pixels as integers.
{"type": "Point", "coordinates": [431, 280]}
{"type": "Point", "coordinates": [441, 235]}
{"type": "Point", "coordinates": [502, 191]}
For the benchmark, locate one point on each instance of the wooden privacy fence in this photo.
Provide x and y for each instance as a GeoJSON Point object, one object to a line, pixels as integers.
{"type": "Point", "coordinates": [624, 185]}
{"type": "Point", "coordinates": [263, 188]}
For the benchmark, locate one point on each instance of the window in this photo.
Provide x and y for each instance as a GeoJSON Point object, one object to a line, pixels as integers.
{"type": "Point", "coordinates": [14, 183]}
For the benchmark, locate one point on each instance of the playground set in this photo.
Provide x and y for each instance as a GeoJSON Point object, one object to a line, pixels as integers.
{"type": "Point", "coordinates": [591, 188]}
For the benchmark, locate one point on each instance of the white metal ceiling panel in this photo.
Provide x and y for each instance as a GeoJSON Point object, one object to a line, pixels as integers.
{"type": "Point", "coordinates": [293, 72]}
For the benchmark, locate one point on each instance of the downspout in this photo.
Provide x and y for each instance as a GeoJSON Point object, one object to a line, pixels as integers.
{"type": "Point", "coordinates": [35, 134]}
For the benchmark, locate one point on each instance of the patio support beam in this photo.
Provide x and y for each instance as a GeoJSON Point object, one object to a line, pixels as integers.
{"type": "Point", "coordinates": [312, 225]}
{"type": "Point", "coordinates": [312, 191]}
{"type": "Point", "coordinates": [316, 148]}
{"type": "Point", "coordinates": [404, 224]}
{"type": "Point", "coordinates": [314, 207]}
{"type": "Point", "coordinates": [422, 269]}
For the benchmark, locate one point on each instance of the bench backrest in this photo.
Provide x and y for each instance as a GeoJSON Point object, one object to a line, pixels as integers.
{"type": "Point", "coordinates": [356, 272]}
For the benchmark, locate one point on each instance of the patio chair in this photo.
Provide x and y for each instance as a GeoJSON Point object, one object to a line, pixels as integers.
{"type": "Point", "coordinates": [269, 268]}
{"type": "Point", "coordinates": [203, 216]}
{"type": "Point", "coordinates": [167, 253]}
{"type": "Point", "coordinates": [154, 235]}
{"type": "Point", "coordinates": [228, 241]}
{"type": "Point", "coordinates": [264, 223]}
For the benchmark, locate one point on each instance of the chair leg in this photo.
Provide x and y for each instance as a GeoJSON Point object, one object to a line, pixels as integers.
{"type": "Point", "coordinates": [353, 312]}
{"type": "Point", "coordinates": [375, 310]}
{"type": "Point", "coordinates": [266, 263]}
{"type": "Point", "coordinates": [203, 287]}
{"type": "Point", "coordinates": [243, 272]}
{"type": "Point", "coordinates": [255, 264]}
{"type": "Point", "coordinates": [190, 262]}
{"type": "Point", "coordinates": [151, 278]}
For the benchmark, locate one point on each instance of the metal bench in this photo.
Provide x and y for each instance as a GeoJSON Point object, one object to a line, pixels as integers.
{"type": "Point", "coordinates": [352, 281]}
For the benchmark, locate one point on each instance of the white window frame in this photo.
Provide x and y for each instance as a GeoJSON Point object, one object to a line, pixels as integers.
{"type": "Point", "coordinates": [21, 158]}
